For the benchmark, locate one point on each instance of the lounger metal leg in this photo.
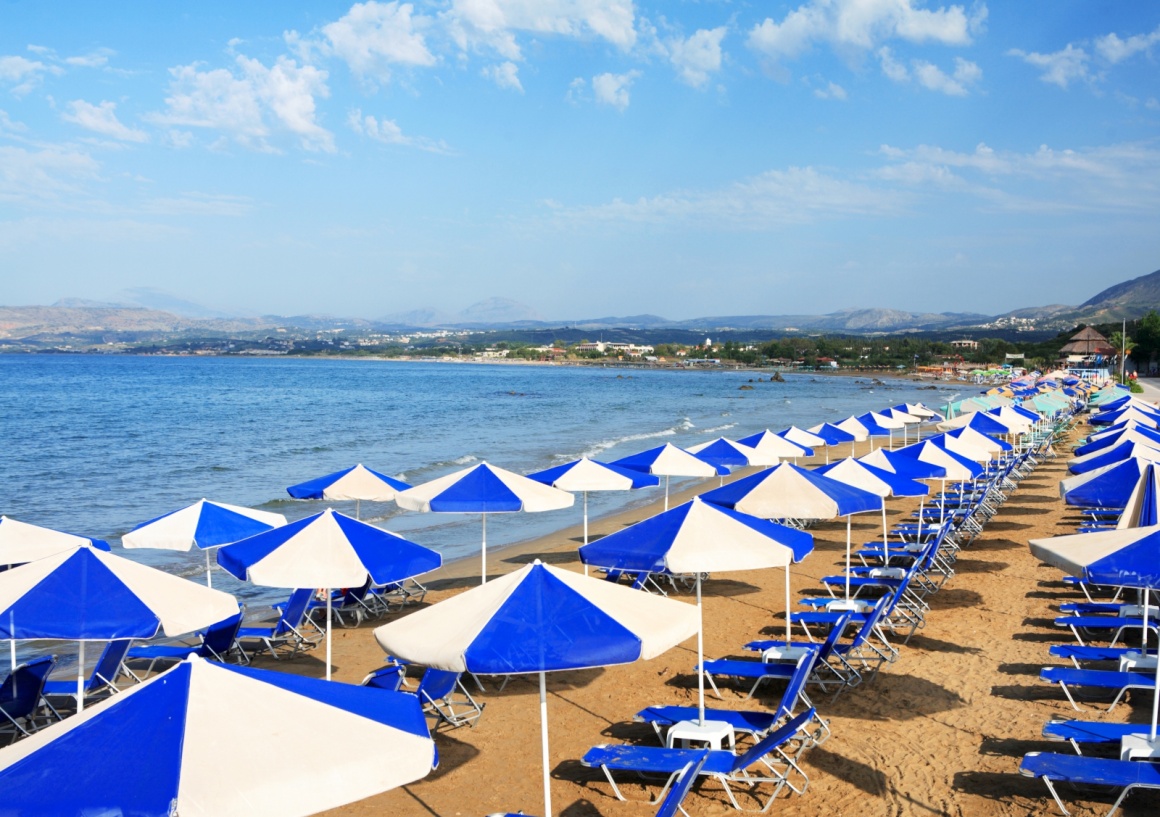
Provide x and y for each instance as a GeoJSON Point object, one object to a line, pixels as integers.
{"type": "Point", "coordinates": [1055, 795]}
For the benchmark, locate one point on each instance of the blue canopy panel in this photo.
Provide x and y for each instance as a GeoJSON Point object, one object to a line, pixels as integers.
{"type": "Point", "coordinates": [82, 600]}
{"type": "Point", "coordinates": [314, 488]}
{"type": "Point", "coordinates": [387, 557]}
{"type": "Point", "coordinates": [645, 459]}
{"type": "Point", "coordinates": [126, 760]}
{"type": "Point", "coordinates": [848, 499]}
{"type": "Point", "coordinates": [1120, 451]}
{"type": "Point", "coordinates": [397, 709]}
{"type": "Point", "coordinates": [640, 479]}
{"type": "Point", "coordinates": [753, 440]}
{"type": "Point", "coordinates": [478, 491]}
{"type": "Point", "coordinates": [1149, 512]}
{"type": "Point", "coordinates": [545, 625]}
{"type": "Point", "coordinates": [872, 427]}
{"type": "Point", "coordinates": [723, 455]}
{"type": "Point", "coordinates": [912, 468]}
{"type": "Point", "coordinates": [1110, 417]}
{"type": "Point", "coordinates": [832, 434]}
{"type": "Point", "coordinates": [913, 451]}
{"type": "Point", "coordinates": [643, 546]}
{"type": "Point", "coordinates": [220, 526]}
{"type": "Point", "coordinates": [1136, 565]}
{"type": "Point", "coordinates": [1003, 444]}
{"type": "Point", "coordinates": [899, 485]}
{"type": "Point", "coordinates": [981, 421]}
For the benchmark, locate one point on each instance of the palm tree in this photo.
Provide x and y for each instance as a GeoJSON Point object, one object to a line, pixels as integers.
{"type": "Point", "coordinates": [1124, 345]}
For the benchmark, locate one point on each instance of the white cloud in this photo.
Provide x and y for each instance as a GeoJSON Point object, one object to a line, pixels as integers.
{"type": "Point", "coordinates": [241, 103]}
{"type": "Point", "coordinates": [505, 75]}
{"type": "Point", "coordinates": [102, 119]}
{"type": "Point", "coordinates": [612, 89]}
{"type": "Point", "coordinates": [1114, 50]}
{"type": "Point", "coordinates": [1152, 104]}
{"type": "Point", "coordinates": [6, 124]}
{"type": "Point", "coordinates": [862, 25]}
{"type": "Point", "coordinates": [94, 59]}
{"type": "Point", "coordinates": [698, 56]}
{"type": "Point", "coordinates": [577, 89]}
{"type": "Point", "coordinates": [44, 175]}
{"type": "Point", "coordinates": [1059, 68]}
{"type": "Point", "coordinates": [372, 37]}
{"type": "Point", "coordinates": [388, 132]}
{"type": "Point", "coordinates": [892, 68]}
{"type": "Point", "coordinates": [933, 78]}
{"type": "Point", "coordinates": [796, 195]}
{"type": "Point", "coordinates": [24, 74]}
{"type": "Point", "coordinates": [831, 91]}
{"type": "Point", "coordinates": [200, 204]}
{"type": "Point", "coordinates": [495, 24]}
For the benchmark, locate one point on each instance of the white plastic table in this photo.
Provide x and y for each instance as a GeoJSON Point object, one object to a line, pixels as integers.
{"type": "Point", "coordinates": [714, 733]}
{"type": "Point", "coordinates": [1137, 747]}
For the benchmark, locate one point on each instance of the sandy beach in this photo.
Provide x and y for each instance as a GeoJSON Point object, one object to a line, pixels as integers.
{"type": "Point", "coordinates": [941, 731]}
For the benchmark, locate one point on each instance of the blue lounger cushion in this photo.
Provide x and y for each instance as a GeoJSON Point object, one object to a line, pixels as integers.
{"type": "Point", "coordinates": [1092, 771]}
{"type": "Point", "coordinates": [743, 668]}
{"type": "Point", "coordinates": [1092, 731]}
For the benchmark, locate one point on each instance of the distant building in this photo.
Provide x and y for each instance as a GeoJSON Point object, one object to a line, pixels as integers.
{"type": "Point", "coordinates": [591, 347]}
{"type": "Point", "coordinates": [965, 344]}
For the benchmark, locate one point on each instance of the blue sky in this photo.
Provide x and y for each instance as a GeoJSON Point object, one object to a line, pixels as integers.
{"type": "Point", "coordinates": [583, 157]}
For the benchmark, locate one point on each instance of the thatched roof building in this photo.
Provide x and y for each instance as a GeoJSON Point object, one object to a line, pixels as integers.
{"type": "Point", "coordinates": [1088, 343]}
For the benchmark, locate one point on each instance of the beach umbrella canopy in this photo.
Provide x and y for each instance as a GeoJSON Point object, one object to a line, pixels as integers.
{"type": "Point", "coordinates": [957, 466]}
{"type": "Point", "coordinates": [833, 435]}
{"type": "Point", "coordinates": [776, 446]}
{"type": "Point", "coordinates": [88, 595]}
{"type": "Point", "coordinates": [978, 420]}
{"type": "Point", "coordinates": [728, 454]}
{"type": "Point", "coordinates": [803, 437]}
{"type": "Point", "coordinates": [204, 525]}
{"type": "Point", "coordinates": [963, 448]}
{"type": "Point", "coordinates": [22, 542]}
{"type": "Point", "coordinates": [1122, 558]}
{"type": "Point", "coordinates": [919, 410]}
{"type": "Point", "coordinates": [1143, 506]}
{"type": "Point", "coordinates": [1101, 442]}
{"type": "Point", "coordinates": [357, 482]}
{"type": "Point", "coordinates": [483, 489]}
{"type": "Point", "coordinates": [1115, 453]}
{"type": "Point", "coordinates": [698, 537]}
{"type": "Point", "coordinates": [204, 738]}
{"type": "Point", "coordinates": [860, 431]}
{"type": "Point", "coordinates": [903, 464]}
{"type": "Point", "coordinates": [1148, 418]}
{"type": "Point", "coordinates": [980, 440]}
{"type": "Point", "coordinates": [584, 475]}
{"type": "Point", "coordinates": [902, 416]}
{"type": "Point", "coordinates": [1106, 487]}
{"type": "Point", "coordinates": [539, 619]}
{"type": "Point", "coordinates": [328, 550]}
{"type": "Point", "coordinates": [669, 461]}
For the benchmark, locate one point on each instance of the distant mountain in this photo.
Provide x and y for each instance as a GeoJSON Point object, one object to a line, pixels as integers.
{"type": "Point", "coordinates": [490, 312]}
{"type": "Point", "coordinates": [1131, 299]}
{"type": "Point", "coordinates": [158, 299]}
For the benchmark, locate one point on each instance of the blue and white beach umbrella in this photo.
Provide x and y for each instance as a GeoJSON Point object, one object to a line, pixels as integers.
{"type": "Point", "coordinates": [1121, 558]}
{"type": "Point", "coordinates": [880, 425]}
{"type": "Point", "coordinates": [698, 537]}
{"type": "Point", "coordinates": [88, 595]}
{"type": "Point", "coordinates": [1105, 487]}
{"type": "Point", "coordinates": [669, 461]}
{"type": "Point", "coordinates": [877, 481]}
{"type": "Point", "coordinates": [536, 620]}
{"type": "Point", "coordinates": [978, 420]}
{"type": "Point", "coordinates": [22, 542]}
{"type": "Point", "coordinates": [728, 454]}
{"type": "Point", "coordinates": [833, 435]}
{"type": "Point", "coordinates": [483, 489]}
{"type": "Point", "coordinates": [357, 482]}
{"type": "Point", "coordinates": [906, 418]}
{"type": "Point", "coordinates": [584, 475]}
{"type": "Point", "coordinates": [1142, 508]}
{"type": "Point", "coordinates": [204, 525]}
{"type": "Point", "coordinates": [904, 465]}
{"type": "Point", "coordinates": [204, 739]}
{"type": "Point", "coordinates": [1116, 453]}
{"type": "Point", "coordinates": [978, 439]}
{"type": "Point", "coordinates": [803, 437]}
{"type": "Point", "coordinates": [1102, 442]}
{"type": "Point", "coordinates": [775, 445]}
{"type": "Point", "coordinates": [326, 550]}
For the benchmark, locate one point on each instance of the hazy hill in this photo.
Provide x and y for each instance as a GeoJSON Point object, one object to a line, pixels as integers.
{"type": "Point", "coordinates": [1131, 299]}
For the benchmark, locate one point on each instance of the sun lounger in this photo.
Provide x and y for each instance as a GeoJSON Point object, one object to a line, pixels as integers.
{"type": "Point", "coordinates": [218, 643]}
{"type": "Point", "coordinates": [1095, 732]}
{"type": "Point", "coordinates": [1124, 775]}
{"type": "Point", "coordinates": [824, 672]}
{"type": "Point", "coordinates": [1121, 682]}
{"type": "Point", "coordinates": [443, 695]}
{"type": "Point", "coordinates": [103, 679]}
{"type": "Point", "coordinates": [22, 701]}
{"type": "Point", "coordinates": [1118, 625]}
{"type": "Point", "coordinates": [284, 636]}
{"type": "Point", "coordinates": [766, 762]}
{"type": "Point", "coordinates": [1087, 652]}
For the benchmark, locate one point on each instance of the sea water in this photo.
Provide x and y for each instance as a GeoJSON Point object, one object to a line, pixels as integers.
{"type": "Point", "coordinates": [97, 444]}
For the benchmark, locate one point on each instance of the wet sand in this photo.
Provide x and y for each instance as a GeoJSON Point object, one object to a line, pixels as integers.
{"type": "Point", "coordinates": [941, 731]}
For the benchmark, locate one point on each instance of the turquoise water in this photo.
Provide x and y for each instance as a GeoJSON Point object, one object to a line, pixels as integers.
{"type": "Point", "coordinates": [95, 445]}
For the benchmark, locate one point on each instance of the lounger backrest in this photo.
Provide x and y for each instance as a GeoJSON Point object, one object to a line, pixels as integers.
{"type": "Point", "coordinates": [294, 610]}
{"type": "Point", "coordinates": [797, 682]}
{"type": "Point", "coordinates": [109, 664]}
{"type": "Point", "coordinates": [437, 684]}
{"type": "Point", "coordinates": [219, 638]}
{"type": "Point", "coordinates": [832, 637]}
{"type": "Point", "coordinates": [771, 741]}
{"type": "Point", "coordinates": [389, 678]}
{"type": "Point", "coordinates": [871, 621]}
{"type": "Point", "coordinates": [684, 782]}
{"type": "Point", "coordinates": [21, 691]}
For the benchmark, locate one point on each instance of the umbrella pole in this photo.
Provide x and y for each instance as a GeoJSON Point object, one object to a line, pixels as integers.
{"type": "Point", "coordinates": [921, 505]}
{"type": "Point", "coordinates": [81, 679]}
{"type": "Point", "coordinates": [208, 575]}
{"type": "Point", "coordinates": [585, 526]}
{"type": "Point", "coordinates": [1144, 645]}
{"type": "Point", "coordinates": [787, 633]}
{"type": "Point", "coordinates": [544, 744]}
{"type": "Point", "coordinates": [847, 557]}
{"type": "Point", "coordinates": [328, 595]}
{"type": "Point", "coordinates": [356, 509]}
{"type": "Point", "coordinates": [12, 640]}
{"type": "Point", "coordinates": [885, 537]}
{"type": "Point", "coordinates": [483, 552]}
{"type": "Point", "coordinates": [700, 656]}
{"type": "Point", "coordinates": [666, 492]}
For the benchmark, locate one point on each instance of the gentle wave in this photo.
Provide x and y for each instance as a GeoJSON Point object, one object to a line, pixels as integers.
{"type": "Point", "coordinates": [685, 425]}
